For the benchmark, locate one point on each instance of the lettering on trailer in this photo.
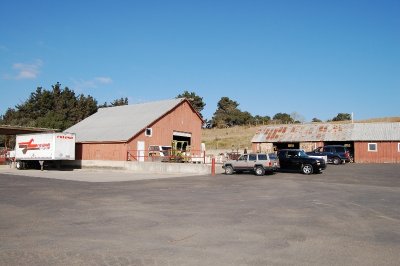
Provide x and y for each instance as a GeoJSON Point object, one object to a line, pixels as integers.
{"type": "Point", "coordinates": [29, 146]}
{"type": "Point", "coordinates": [64, 137]}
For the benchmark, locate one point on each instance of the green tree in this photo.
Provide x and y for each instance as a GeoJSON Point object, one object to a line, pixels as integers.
{"type": "Point", "coordinates": [120, 101]}
{"type": "Point", "coordinates": [316, 120]}
{"type": "Point", "coordinates": [57, 108]}
{"type": "Point", "coordinates": [228, 114]}
{"type": "Point", "coordinates": [342, 117]}
{"type": "Point", "coordinates": [226, 110]}
{"type": "Point", "coordinates": [261, 120]}
{"type": "Point", "coordinates": [116, 102]}
{"type": "Point", "coordinates": [283, 118]}
{"type": "Point", "coordinates": [195, 100]}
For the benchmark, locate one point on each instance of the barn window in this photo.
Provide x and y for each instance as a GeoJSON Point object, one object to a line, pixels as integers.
{"type": "Point", "coordinates": [149, 132]}
{"type": "Point", "coordinates": [372, 147]}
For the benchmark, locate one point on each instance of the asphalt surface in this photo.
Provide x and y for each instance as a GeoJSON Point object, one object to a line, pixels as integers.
{"type": "Point", "coordinates": [349, 215]}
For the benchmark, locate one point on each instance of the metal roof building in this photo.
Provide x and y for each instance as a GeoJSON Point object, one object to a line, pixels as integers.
{"type": "Point", "coordinates": [119, 123]}
{"type": "Point", "coordinates": [370, 142]}
{"type": "Point", "coordinates": [303, 132]}
{"type": "Point", "coordinates": [15, 130]}
{"type": "Point", "coordinates": [115, 132]}
{"type": "Point", "coordinates": [376, 132]}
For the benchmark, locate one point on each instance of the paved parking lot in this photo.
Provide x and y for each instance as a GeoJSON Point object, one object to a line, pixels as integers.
{"type": "Point", "coordinates": [349, 215]}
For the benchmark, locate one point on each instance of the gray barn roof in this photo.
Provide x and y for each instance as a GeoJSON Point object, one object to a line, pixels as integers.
{"type": "Point", "coordinates": [121, 123]}
{"type": "Point", "coordinates": [376, 131]}
{"type": "Point", "coordinates": [329, 132]}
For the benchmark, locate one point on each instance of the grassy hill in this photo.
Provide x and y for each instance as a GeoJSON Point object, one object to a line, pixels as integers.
{"type": "Point", "coordinates": [239, 137]}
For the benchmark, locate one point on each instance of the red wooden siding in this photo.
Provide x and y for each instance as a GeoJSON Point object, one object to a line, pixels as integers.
{"type": "Point", "coordinates": [387, 152]}
{"type": "Point", "coordinates": [101, 151]}
{"type": "Point", "coordinates": [182, 119]}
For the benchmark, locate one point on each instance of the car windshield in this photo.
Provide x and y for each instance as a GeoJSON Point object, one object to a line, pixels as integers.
{"type": "Point", "coordinates": [302, 154]}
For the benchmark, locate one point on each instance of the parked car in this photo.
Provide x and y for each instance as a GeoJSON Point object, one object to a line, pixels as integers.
{"type": "Point", "coordinates": [298, 160]}
{"type": "Point", "coordinates": [259, 163]}
{"type": "Point", "coordinates": [336, 154]}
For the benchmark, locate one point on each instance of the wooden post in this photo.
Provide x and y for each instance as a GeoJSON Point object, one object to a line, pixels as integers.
{"type": "Point", "coordinates": [213, 166]}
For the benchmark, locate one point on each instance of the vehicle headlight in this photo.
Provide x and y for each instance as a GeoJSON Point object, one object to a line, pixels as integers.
{"type": "Point", "coordinates": [318, 162]}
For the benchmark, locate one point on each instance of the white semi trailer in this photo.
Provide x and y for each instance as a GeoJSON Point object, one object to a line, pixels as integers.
{"type": "Point", "coordinates": [33, 148]}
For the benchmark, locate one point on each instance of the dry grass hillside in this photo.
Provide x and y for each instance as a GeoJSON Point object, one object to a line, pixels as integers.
{"type": "Point", "coordinates": [239, 137]}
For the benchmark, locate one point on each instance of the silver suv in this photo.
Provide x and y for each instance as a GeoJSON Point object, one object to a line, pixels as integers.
{"type": "Point", "coordinates": [259, 163]}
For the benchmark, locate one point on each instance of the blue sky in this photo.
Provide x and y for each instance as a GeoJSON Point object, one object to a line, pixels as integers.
{"type": "Point", "coordinates": [316, 58]}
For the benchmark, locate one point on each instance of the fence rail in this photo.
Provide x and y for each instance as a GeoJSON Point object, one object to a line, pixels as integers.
{"type": "Point", "coordinates": [168, 156]}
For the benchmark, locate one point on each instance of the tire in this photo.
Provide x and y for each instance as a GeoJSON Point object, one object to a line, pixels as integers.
{"type": "Point", "coordinates": [307, 169]}
{"type": "Point", "coordinates": [336, 161]}
{"type": "Point", "coordinates": [228, 170]}
{"type": "Point", "coordinates": [18, 165]}
{"type": "Point", "coordinates": [259, 170]}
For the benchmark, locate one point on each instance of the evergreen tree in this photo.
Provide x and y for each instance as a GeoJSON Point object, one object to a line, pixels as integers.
{"type": "Point", "coordinates": [116, 102]}
{"type": "Point", "coordinates": [228, 114]}
{"type": "Point", "coordinates": [342, 117]}
{"type": "Point", "coordinates": [261, 120]}
{"type": "Point", "coordinates": [120, 101]}
{"type": "Point", "coordinates": [57, 108]}
{"type": "Point", "coordinates": [195, 100]}
{"type": "Point", "coordinates": [283, 118]}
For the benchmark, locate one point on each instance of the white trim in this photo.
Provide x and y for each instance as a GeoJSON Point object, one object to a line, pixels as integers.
{"type": "Point", "coordinates": [372, 143]}
{"type": "Point", "coordinates": [140, 150]}
{"type": "Point", "coordinates": [182, 134]}
{"type": "Point", "coordinates": [398, 147]}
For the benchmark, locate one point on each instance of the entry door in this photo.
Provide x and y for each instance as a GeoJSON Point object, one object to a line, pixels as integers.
{"type": "Point", "coordinates": [140, 151]}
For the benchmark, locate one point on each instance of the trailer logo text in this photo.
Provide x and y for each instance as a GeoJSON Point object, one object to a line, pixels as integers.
{"type": "Point", "coordinates": [29, 145]}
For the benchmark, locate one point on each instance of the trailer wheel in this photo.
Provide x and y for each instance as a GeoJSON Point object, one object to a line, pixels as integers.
{"type": "Point", "coordinates": [19, 165]}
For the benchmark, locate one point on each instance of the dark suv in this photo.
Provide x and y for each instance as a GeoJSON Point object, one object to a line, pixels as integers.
{"type": "Point", "coordinates": [336, 154]}
{"type": "Point", "coordinates": [298, 160]}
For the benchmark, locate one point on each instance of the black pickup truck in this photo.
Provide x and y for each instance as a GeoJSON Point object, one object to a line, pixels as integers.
{"type": "Point", "coordinates": [298, 160]}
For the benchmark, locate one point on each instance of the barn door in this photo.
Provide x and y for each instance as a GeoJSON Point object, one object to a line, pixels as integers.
{"type": "Point", "coordinates": [140, 151]}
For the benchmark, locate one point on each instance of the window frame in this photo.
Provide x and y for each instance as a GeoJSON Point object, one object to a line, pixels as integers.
{"type": "Point", "coordinates": [369, 147]}
{"type": "Point", "coordinates": [148, 129]}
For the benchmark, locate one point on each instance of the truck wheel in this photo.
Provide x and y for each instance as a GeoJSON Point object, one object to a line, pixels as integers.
{"type": "Point", "coordinates": [228, 170]}
{"type": "Point", "coordinates": [18, 164]}
{"type": "Point", "coordinates": [307, 169]}
{"type": "Point", "coordinates": [336, 161]}
{"type": "Point", "coordinates": [259, 170]}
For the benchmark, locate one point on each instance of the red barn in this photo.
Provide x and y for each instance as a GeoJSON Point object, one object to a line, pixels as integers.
{"type": "Point", "coordinates": [126, 132]}
{"type": "Point", "coordinates": [368, 142]}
